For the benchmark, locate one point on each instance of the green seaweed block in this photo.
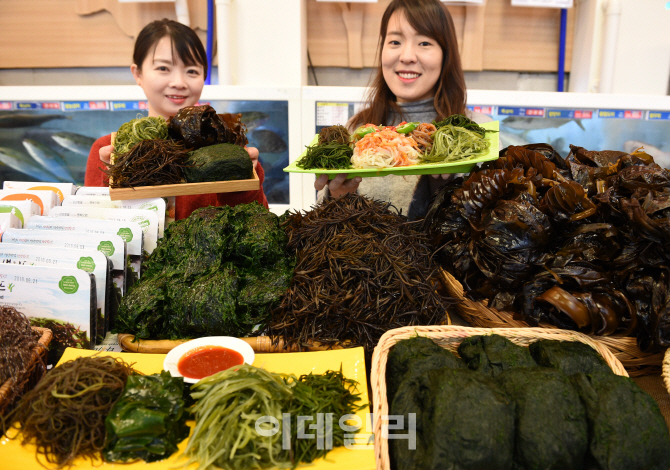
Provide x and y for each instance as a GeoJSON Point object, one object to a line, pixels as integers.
{"type": "Point", "coordinates": [464, 421]}
{"type": "Point", "coordinates": [219, 162]}
{"type": "Point", "coordinates": [626, 428]}
{"type": "Point", "coordinates": [570, 357]}
{"type": "Point", "coordinates": [493, 354]}
{"type": "Point", "coordinates": [551, 432]}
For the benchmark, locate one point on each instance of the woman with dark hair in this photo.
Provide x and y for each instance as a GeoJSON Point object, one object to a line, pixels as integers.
{"type": "Point", "coordinates": [419, 78]}
{"type": "Point", "coordinates": [170, 65]}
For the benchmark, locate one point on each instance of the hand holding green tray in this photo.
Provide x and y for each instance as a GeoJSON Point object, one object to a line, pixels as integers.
{"type": "Point", "coordinates": [424, 169]}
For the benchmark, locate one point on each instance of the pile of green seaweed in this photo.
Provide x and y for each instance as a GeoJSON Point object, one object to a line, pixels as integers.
{"type": "Point", "coordinates": [219, 272]}
{"type": "Point", "coordinates": [579, 242]}
{"type": "Point", "coordinates": [552, 406]}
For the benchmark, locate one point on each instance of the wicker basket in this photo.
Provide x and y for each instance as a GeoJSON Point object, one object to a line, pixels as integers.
{"type": "Point", "coordinates": [449, 337]}
{"type": "Point", "coordinates": [15, 387]}
{"type": "Point", "coordinates": [636, 362]}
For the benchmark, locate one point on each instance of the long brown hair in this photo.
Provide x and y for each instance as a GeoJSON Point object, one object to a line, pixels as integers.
{"type": "Point", "coordinates": [432, 19]}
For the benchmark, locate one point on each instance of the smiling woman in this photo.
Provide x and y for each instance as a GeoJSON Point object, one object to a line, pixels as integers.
{"type": "Point", "coordinates": [419, 78]}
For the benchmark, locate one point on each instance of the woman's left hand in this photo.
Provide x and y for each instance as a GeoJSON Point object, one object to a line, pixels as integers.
{"type": "Point", "coordinates": [253, 154]}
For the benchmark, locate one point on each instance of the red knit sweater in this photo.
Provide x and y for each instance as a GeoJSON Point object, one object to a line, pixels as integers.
{"type": "Point", "coordinates": [184, 204]}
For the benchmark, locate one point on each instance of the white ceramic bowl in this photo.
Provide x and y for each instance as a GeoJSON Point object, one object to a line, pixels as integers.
{"type": "Point", "coordinates": [172, 359]}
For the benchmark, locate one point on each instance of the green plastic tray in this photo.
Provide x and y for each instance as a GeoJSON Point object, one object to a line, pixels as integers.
{"type": "Point", "coordinates": [426, 169]}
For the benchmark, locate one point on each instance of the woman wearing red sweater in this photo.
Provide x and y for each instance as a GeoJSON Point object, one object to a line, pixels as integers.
{"type": "Point", "coordinates": [170, 64]}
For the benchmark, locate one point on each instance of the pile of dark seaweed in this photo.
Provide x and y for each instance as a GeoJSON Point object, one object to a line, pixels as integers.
{"type": "Point", "coordinates": [575, 242]}
{"type": "Point", "coordinates": [361, 270]}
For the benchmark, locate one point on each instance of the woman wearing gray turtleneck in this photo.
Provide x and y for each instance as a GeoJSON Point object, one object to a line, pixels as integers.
{"type": "Point", "coordinates": [419, 78]}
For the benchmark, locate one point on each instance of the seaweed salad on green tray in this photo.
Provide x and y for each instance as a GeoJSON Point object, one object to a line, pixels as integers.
{"type": "Point", "coordinates": [218, 272]}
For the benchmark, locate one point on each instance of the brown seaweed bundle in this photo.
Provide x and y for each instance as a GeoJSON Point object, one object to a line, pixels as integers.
{"type": "Point", "coordinates": [149, 163]}
{"type": "Point", "coordinates": [200, 126]}
{"type": "Point", "coordinates": [64, 415]}
{"type": "Point", "coordinates": [578, 243]}
{"type": "Point", "coordinates": [361, 270]}
{"type": "Point", "coordinates": [336, 133]}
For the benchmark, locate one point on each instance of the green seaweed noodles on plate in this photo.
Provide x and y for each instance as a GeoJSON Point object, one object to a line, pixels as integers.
{"type": "Point", "coordinates": [457, 138]}
{"type": "Point", "coordinates": [332, 151]}
{"type": "Point", "coordinates": [240, 417]}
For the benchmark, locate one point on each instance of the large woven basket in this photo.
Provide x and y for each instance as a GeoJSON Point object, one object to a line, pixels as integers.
{"type": "Point", "coordinates": [15, 387]}
{"type": "Point", "coordinates": [636, 362]}
{"type": "Point", "coordinates": [449, 337]}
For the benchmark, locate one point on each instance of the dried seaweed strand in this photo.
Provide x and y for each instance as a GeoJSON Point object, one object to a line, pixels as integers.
{"type": "Point", "coordinates": [136, 130]}
{"type": "Point", "coordinates": [149, 163]}
{"type": "Point", "coordinates": [361, 270]}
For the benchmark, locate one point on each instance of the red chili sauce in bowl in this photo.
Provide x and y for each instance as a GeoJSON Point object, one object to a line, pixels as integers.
{"type": "Point", "coordinates": [207, 360]}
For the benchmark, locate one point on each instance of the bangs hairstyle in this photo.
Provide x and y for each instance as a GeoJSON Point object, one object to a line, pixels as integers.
{"type": "Point", "coordinates": [432, 19]}
{"type": "Point", "coordinates": [185, 43]}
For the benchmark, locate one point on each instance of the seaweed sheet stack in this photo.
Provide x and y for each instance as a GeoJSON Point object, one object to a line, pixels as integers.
{"type": "Point", "coordinates": [520, 415]}
{"type": "Point", "coordinates": [361, 270]}
{"type": "Point", "coordinates": [577, 242]}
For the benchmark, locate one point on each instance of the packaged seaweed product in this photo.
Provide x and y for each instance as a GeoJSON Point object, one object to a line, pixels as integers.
{"type": "Point", "coordinates": [551, 432]}
{"type": "Point", "coordinates": [414, 356]}
{"type": "Point", "coordinates": [570, 357]}
{"type": "Point", "coordinates": [493, 354]}
{"type": "Point", "coordinates": [61, 189]}
{"type": "Point", "coordinates": [44, 198]}
{"type": "Point", "coordinates": [626, 428]}
{"type": "Point", "coordinates": [464, 421]}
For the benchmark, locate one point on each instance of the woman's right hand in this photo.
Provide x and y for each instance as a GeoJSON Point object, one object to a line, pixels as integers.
{"type": "Point", "coordinates": [339, 185]}
{"type": "Point", "coordinates": [106, 153]}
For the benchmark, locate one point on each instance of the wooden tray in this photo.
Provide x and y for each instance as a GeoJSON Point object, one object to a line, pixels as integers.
{"type": "Point", "coordinates": [260, 344]}
{"type": "Point", "coordinates": [449, 337]}
{"type": "Point", "coordinates": [14, 387]}
{"type": "Point", "coordinates": [184, 189]}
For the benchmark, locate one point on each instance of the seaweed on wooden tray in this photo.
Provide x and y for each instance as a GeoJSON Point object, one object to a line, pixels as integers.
{"type": "Point", "coordinates": [626, 428]}
{"type": "Point", "coordinates": [570, 357]}
{"type": "Point", "coordinates": [550, 429]}
{"type": "Point", "coordinates": [493, 354]}
{"type": "Point", "coordinates": [218, 272]}
{"type": "Point", "coordinates": [464, 420]}
{"type": "Point", "coordinates": [361, 270]}
{"type": "Point", "coordinates": [148, 420]}
{"type": "Point", "coordinates": [414, 356]}
{"type": "Point", "coordinates": [148, 163]}
{"type": "Point", "coordinates": [200, 126]}
{"type": "Point", "coordinates": [218, 162]}
{"type": "Point", "coordinates": [577, 242]}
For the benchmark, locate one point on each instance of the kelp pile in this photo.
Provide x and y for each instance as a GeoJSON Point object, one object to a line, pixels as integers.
{"type": "Point", "coordinates": [218, 272]}
{"type": "Point", "coordinates": [150, 151]}
{"type": "Point", "coordinates": [64, 415]}
{"type": "Point", "coordinates": [577, 242]}
{"type": "Point", "coordinates": [361, 270]}
{"type": "Point", "coordinates": [332, 151]}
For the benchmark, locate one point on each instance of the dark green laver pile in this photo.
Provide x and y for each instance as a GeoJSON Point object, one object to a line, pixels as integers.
{"type": "Point", "coordinates": [463, 421]}
{"type": "Point", "coordinates": [568, 410]}
{"type": "Point", "coordinates": [218, 272]}
{"type": "Point", "coordinates": [550, 425]}
{"type": "Point", "coordinates": [220, 162]}
{"type": "Point", "coordinates": [493, 354]}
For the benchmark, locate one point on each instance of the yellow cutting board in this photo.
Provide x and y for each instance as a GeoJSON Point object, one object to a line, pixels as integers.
{"type": "Point", "coordinates": [14, 456]}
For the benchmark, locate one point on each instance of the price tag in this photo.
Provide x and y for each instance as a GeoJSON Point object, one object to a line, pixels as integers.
{"type": "Point", "coordinates": [543, 3]}
{"type": "Point", "coordinates": [330, 114]}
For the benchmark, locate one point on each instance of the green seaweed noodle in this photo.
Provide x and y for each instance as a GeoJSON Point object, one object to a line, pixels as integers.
{"type": "Point", "coordinates": [330, 156]}
{"type": "Point", "coordinates": [136, 130]}
{"type": "Point", "coordinates": [454, 144]}
{"type": "Point", "coordinates": [229, 403]}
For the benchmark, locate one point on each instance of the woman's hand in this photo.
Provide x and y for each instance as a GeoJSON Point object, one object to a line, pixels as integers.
{"type": "Point", "coordinates": [106, 153]}
{"type": "Point", "coordinates": [339, 185]}
{"type": "Point", "coordinates": [253, 154]}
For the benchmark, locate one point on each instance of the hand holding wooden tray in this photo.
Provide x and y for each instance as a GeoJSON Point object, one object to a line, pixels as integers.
{"type": "Point", "coordinates": [184, 189]}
